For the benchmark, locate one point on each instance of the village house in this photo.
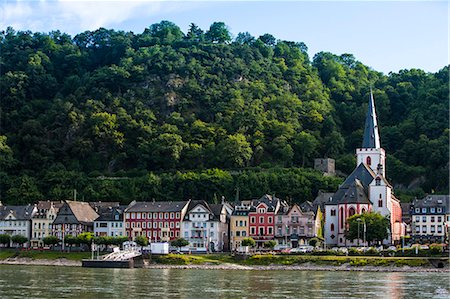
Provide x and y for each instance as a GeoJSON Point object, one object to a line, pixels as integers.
{"type": "Point", "coordinates": [293, 227]}
{"type": "Point", "coordinates": [158, 221]}
{"type": "Point", "coordinates": [262, 218]}
{"type": "Point", "coordinates": [239, 226]}
{"type": "Point", "coordinates": [74, 218]}
{"type": "Point", "coordinates": [41, 223]}
{"type": "Point", "coordinates": [430, 218]}
{"type": "Point", "coordinates": [205, 226]}
{"type": "Point", "coordinates": [16, 220]}
{"type": "Point", "coordinates": [110, 221]}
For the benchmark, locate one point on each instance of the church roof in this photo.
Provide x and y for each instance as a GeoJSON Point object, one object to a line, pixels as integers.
{"type": "Point", "coordinates": [363, 176]}
{"type": "Point", "coordinates": [371, 137]}
{"type": "Point", "coordinates": [355, 194]}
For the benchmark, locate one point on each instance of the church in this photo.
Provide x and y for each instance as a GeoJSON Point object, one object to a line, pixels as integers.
{"type": "Point", "coordinates": [365, 189]}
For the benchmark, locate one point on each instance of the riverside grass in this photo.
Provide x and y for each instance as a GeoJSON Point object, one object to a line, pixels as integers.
{"type": "Point", "coordinates": [220, 259]}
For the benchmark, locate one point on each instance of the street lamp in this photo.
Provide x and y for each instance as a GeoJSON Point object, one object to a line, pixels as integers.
{"type": "Point", "coordinates": [359, 221]}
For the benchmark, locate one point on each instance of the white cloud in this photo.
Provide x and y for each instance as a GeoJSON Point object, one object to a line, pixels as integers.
{"type": "Point", "coordinates": [75, 16]}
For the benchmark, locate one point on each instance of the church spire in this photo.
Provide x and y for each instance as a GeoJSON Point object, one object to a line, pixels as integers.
{"type": "Point", "coordinates": [371, 136]}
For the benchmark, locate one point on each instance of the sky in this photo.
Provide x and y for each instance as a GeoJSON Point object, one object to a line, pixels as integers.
{"type": "Point", "coordinates": [387, 36]}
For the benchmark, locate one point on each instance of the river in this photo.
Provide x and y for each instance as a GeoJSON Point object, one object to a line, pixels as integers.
{"type": "Point", "coordinates": [74, 282]}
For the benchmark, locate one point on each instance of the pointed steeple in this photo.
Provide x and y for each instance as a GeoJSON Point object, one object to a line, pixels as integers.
{"type": "Point", "coordinates": [371, 136]}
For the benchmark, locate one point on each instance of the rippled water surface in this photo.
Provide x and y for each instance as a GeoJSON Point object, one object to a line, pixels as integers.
{"type": "Point", "coordinates": [74, 282]}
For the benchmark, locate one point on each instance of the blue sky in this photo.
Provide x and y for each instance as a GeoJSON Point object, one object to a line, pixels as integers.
{"type": "Point", "coordinates": [387, 36]}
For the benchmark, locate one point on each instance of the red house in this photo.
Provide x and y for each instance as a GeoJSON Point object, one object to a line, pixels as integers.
{"type": "Point", "coordinates": [158, 221]}
{"type": "Point", "coordinates": [262, 218]}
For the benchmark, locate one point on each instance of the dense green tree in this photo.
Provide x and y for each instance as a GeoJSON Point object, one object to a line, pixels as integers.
{"type": "Point", "coordinates": [377, 227]}
{"type": "Point", "coordinates": [19, 239]}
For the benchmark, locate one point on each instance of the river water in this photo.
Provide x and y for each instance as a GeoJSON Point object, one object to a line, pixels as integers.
{"type": "Point", "coordinates": [75, 282]}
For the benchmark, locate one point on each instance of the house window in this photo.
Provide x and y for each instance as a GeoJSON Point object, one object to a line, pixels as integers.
{"type": "Point", "coordinates": [261, 219]}
{"type": "Point", "coordinates": [424, 218]}
{"type": "Point", "coordinates": [252, 230]}
{"type": "Point", "coordinates": [127, 216]}
{"type": "Point", "coordinates": [270, 219]}
{"type": "Point", "coordinates": [149, 215]}
{"type": "Point", "coordinates": [244, 233]}
{"type": "Point", "coordinates": [439, 219]}
{"type": "Point", "coordinates": [261, 210]}
{"type": "Point", "coordinates": [172, 215]}
{"type": "Point", "coordinates": [417, 218]}
{"type": "Point", "coordinates": [432, 210]}
{"type": "Point", "coordinates": [424, 229]}
{"type": "Point", "coordinates": [439, 228]}
{"type": "Point", "coordinates": [133, 215]}
{"type": "Point", "coordinates": [261, 231]}
{"type": "Point", "coordinates": [144, 225]}
{"type": "Point", "coordinates": [333, 212]}
{"type": "Point", "coordinates": [177, 224]}
{"type": "Point", "coordinates": [418, 229]}
{"type": "Point", "coordinates": [144, 215]}
{"type": "Point", "coordinates": [433, 229]}
{"type": "Point", "coordinates": [439, 210]}
{"type": "Point", "coordinates": [160, 215]}
{"type": "Point", "coordinates": [166, 215]}
{"type": "Point", "coordinates": [270, 230]}
{"type": "Point", "coordinates": [177, 215]}
{"type": "Point", "coordinates": [432, 218]}
{"type": "Point", "coordinates": [155, 215]}
{"type": "Point", "coordinates": [424, 210]}
{"type": "Point", "coordinates": [212, 224]}
{"type": "Point", "coordinates": [155, 224]}
{"type": "Point", "coordinates": [369, 161]}
{"type": "Point", "coordinates": [252, 219]}
{"type": "Point", "coordinates": [171, 225]}
{"type": "Point", "coordinates": [417, 210]}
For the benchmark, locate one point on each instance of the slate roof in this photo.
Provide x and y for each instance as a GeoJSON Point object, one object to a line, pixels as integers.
{"type": "Point", "coordinates": [358, 181]}
{"type": "Point", "coordinates": [108, 213]}
{"type": "Point", "coordinates": [158, 206]}
{"type": "Point", "coordinates": [19, 212]}
{"type": "Point", "coordinates": [46, 204]}
{"type": "Point", "coordinates": [321, 199]}
{"type": "Point", "coordinates": [433, 201]}
{"type": "Point", "coordinates": [371, 137]}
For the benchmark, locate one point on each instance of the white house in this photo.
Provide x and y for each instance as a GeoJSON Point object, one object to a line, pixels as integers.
{"type": "Point", "coordinates": [205, 226]}
{"type": "Point", "coordinates": [16, 220]}
{"type": "Point", "coordinates": [110, 222]}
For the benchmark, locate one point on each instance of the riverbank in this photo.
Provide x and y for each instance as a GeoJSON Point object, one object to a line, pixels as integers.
{"type": "Point", "coordinates": [230, 266]}
{"type": "Point", "coordinates": [256, 262]}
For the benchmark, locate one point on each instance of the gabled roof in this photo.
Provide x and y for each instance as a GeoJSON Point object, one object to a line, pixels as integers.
{"type": "Point", "coordinates": [371, 137]}
{"type": "Point", "coordinates": [355, 193]}
{"type": "Point", "coordinates": [46, 204]}
{"type": "Point", "coordinates": [158, 206]}
{"type": "Point", "coordinates": [433, 201]}
{"type": "Point", "coordinates": [82, 211]}
{"type": "Point", "coordinates": [18, 212]}
{"type": "Point", "coordinates": [363, 175]}
{"type": "Point", "coordinates": [109, 213]}
{"type": "Point", "coordinates": [321, 199]}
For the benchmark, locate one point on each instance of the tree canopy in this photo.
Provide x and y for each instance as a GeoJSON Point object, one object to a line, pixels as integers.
{"type": "Point", "coordinates": [122, 116]}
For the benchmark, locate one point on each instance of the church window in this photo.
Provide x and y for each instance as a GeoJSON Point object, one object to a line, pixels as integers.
{"type": "Point", "coordinates": [369, 161]}
{"type": "Point", "coordinates": [363, 210]}
{"type": "Point", "coordinates": [378, 181]}
{"type": "Point", "coordinates": [351, 211]}
{"type": "Point", "coordinates": [380, 203]}
{"type": "Point", "coordinates": [341, 214]}
{"type": "Point", "coordinates": [332, 227]}
{"type": "Point", "coordinates": [333, 212]}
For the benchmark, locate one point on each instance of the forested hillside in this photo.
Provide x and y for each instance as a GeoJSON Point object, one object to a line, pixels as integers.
{"type": "Point", "coordinates": [169, 115]}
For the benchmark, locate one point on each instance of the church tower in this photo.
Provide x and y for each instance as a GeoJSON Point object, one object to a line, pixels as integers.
{"type": "Point", "coordinates": [371, 153]}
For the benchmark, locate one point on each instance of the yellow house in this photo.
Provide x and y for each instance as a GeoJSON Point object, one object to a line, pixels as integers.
{"type": "Point", "coordinates": [239, 226]}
